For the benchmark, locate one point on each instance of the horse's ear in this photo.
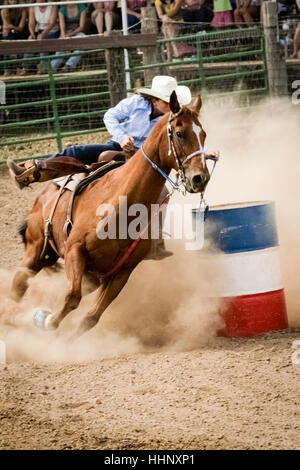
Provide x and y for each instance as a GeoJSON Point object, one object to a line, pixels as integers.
{"type": "Point", "coordinates": [197, 104]}
{"type": "Point", "coordinates": [174, 104]}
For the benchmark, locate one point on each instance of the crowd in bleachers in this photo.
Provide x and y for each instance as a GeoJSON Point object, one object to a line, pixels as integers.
{"type": "Point", "coordinates": [174, 16]}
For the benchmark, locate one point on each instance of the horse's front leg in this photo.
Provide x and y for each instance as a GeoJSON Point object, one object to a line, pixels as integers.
{"type": "Point", "coordinates": [74, 266]}
{"type": "Point", "coordinates": [30, 266]}
{"type": "Point", "coordinates": [107, 292]}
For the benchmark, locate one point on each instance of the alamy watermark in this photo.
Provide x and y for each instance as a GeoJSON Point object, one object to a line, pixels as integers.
{"type": "Point", "coordinates": [137, 220]}
{"type": "Point", "coordinates": [2, 92]}
{"type": "Point", "coordinates": [296, 93]}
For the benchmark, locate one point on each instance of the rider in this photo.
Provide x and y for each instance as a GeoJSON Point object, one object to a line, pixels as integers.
{"type": "Point", "coordinates": [129, 123]}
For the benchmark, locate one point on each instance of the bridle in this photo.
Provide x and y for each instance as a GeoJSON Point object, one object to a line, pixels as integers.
{"type": "Point", "coordinates": [181, 179]}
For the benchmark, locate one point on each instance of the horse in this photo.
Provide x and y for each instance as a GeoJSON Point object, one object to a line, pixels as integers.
{"type": "Point", "coordinates": [176, 142]}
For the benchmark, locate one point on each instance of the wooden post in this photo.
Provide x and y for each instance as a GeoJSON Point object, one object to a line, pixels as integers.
{"type": "Point", "coordinates": [277, 73]}
{"type": "Point", "coordinates": [150, 53]}
{"type": "Point", "coordinates": [115, 66]}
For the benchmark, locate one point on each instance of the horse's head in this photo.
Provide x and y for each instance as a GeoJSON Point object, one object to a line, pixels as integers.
{"type": "Point", "coordinates": [186, 144]}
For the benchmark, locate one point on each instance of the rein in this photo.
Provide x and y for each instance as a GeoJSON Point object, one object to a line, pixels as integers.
{"type": "Point", "coordinates": [172, 183]}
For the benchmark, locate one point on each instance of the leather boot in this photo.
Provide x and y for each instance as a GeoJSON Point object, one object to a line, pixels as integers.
{"type": "Point", "coordinates": [41, 170]}
{"type": "Point", "coordinates": [23, 174]}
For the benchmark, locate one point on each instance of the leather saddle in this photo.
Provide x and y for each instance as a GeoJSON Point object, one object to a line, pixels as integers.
{"type": "Point", "coordinates": [78, 182]}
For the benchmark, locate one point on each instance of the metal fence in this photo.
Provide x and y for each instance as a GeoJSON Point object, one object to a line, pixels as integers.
{"type": "Point", "coordinates": [220, 63]}
{"type": "Point", "coordinates": [53, 106]}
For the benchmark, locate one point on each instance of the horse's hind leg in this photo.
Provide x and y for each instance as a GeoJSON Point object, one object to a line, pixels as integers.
{"type": "Point", "coordinates": [75, 266]}
{"type": "Point", "coordinates": [107, 292]}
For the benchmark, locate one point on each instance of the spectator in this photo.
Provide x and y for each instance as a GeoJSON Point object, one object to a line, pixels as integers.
{"type": "Point", "coordinates": [296, 50]}
{"type": "Point", "coordinates": [13, 27]}
{"type": "Point", "coordinates": [170, 13]}
{"type": "Point", "coordinates": [196, 11]}
{"type": "Point", "coordinates": [134, 14]}
{"type": "Point", "coordinates": [103, 13]}
{"type": "Point", "coordinates": [72, 20]}
{"type": "Point", "coordinates": [13, 21]}
{"type": "Point", "coordinates": [43, 21]}
{"type": "Point", "coordinates": [222, 14]}
{"type": "Point", "coordinates": [43, 24]}
{"type": "Point", "coordinates": [247, 11]}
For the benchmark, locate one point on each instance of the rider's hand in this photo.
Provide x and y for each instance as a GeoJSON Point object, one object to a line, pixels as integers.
{"type": "Point", "coordinates": [127, 143]}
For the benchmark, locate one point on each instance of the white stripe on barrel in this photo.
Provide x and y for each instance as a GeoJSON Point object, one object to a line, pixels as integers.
{"type": "Point", "coordinates": [245, 273]}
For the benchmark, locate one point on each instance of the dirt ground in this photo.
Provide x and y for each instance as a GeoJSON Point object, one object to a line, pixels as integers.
{"type": "Point", "coordinates": [130, 393]}
{"type": "Point", "coordinates": [229, 395]}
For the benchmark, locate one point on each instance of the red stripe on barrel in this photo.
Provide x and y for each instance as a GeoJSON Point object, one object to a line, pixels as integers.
{"type": "Point", "coordinates": [249, 315]}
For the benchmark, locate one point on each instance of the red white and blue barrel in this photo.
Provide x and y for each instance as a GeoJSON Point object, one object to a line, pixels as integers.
{"type": "Point", "coordinates": [245, 264]}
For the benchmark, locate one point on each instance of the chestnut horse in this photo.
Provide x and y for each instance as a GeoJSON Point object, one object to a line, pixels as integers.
{"type": "Point", "coordinates": [176, 142]}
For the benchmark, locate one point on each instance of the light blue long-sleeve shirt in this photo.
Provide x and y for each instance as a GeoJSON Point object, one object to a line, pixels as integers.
{"type": "Point", "coordinates": [130, 117]}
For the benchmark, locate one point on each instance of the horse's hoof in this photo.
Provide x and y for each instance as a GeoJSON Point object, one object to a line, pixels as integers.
{"type": "Point", "coordinates": [42, 319]}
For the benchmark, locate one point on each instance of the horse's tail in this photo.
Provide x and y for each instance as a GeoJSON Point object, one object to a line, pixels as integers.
{"type": "Point", "coordinates": [22, 229]}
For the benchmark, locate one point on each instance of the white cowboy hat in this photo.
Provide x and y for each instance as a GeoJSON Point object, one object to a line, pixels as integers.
{"type": "Point", "coordinates": [162, 87]}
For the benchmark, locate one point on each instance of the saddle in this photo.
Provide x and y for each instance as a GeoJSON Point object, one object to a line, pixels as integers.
{"type": "Point", "coordinates": [76, 184]}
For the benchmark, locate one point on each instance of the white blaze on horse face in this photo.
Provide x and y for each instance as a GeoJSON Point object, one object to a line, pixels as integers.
{"type": "Point", "coordinates": [197, 130]}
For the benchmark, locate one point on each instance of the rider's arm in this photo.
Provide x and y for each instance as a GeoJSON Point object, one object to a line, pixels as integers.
{"type": "Point", "coordinates": [115, 116]}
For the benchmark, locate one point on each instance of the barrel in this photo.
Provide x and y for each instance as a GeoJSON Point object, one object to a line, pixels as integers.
{"type": "Point", "coordinates": [241, 252]}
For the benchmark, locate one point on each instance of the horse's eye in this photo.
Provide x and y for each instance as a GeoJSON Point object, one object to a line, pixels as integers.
{"type": "Point", "coordinates": [179, 134]}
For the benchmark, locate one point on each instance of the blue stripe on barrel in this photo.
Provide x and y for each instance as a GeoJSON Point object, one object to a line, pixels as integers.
{"type": "Point", "coordinates": [235, 228]}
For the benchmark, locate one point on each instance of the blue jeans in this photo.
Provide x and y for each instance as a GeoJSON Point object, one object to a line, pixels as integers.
{"type": "Point", "coordinates": [72, 61]}
{"type": "Point", "coordinates": [87, 154]}
{"type": "Point", "coordinates": [50, 35]}
{"type": "Point", "coordinates": [133, 25]}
